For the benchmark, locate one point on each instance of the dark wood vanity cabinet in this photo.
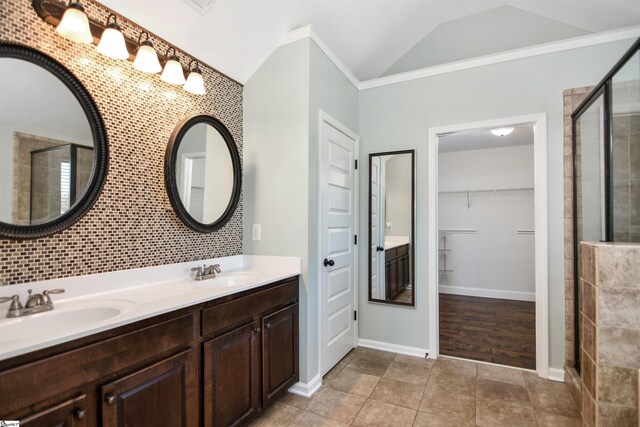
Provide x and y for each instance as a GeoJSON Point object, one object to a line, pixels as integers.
{"type": "Point", "coordinates": [215, 364]}
{"type": "Point", "coordinates": [396, 270]}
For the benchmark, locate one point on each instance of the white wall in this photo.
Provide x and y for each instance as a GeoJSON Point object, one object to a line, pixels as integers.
{"type": "Point", "coordinates": [398, 117]}
{"type": "Point", "coordinates": [496, 262]}
{"type": "Point", "coordinates": [282, 101]}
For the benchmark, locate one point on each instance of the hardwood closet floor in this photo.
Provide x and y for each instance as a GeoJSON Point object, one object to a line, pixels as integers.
{"type": "Point", "coordinates": [488, 329]}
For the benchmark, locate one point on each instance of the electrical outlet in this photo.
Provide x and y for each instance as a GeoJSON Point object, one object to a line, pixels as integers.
{"type": "Point", "coordinates": [256, 232]}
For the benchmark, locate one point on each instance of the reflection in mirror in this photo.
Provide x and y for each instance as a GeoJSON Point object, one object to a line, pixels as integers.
{"type": "Point", "coordinates": [46, 143]}
{"type": "Point", "coordinates": [391, 227]}
{"type": "Point", "coordinates": [204, 173]}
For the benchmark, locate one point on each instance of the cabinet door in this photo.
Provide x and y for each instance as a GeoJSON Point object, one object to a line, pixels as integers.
{"type": "Point", "coordinates": [394, 278]}
{"type": "Point", "coordinates": [387, 280]}
{"type": "Point", "coordinates": [165, 393]}
{"type": "Point", "coordinates": [279, 352]}
{"type": "Point", "coordinates": [70, 413]}
{"type": "Point", "coordinates": [232, 377]}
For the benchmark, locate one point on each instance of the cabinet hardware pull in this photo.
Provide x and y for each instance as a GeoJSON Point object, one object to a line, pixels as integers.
{"type": "Point", "coordinates": [268, 325]}
{"type": "Point", "coordinates": [257, 330]}
{"type": "Point", "coordinates": [80, 413]}
{"type": "Point", "coordinates": [111, 399]}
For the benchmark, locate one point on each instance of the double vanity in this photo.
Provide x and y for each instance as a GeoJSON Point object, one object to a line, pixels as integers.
{"type": "Point", "coordinates": [154, 346]}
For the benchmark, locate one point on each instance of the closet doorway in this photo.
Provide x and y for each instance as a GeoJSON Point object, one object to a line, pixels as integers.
{"type": "Point", "coordinates": [487, 283]}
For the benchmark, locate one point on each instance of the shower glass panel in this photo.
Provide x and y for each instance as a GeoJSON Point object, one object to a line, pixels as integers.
{"type": "Point", "coordinates": [625, 159]}
{"type": "Point", "coordinates": [58, 174]}
{"type": "Point", "coordinates": [606, 165]}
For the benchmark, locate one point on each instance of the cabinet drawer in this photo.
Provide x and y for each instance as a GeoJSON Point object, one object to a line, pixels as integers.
{"type": "Point", "coordinates": [390, 254]}
{"type": "Point", "coordinates": [245, 309]}
{"type": "Point", "coordinates": [402, 250]}
{"type": "Point", "coordinates": [86, 364]}
{"type": "Point", "coordinates": [70, 413]}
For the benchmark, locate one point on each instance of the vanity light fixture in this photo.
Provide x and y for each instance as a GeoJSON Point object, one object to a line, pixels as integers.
{"type": "Point", "coordinates": [172, 72]}
{"type": "Point", "coordinates": [501, 131]}
{"type": "Point", "coordinates": [112, 41]}
{"type": "Point", "coordinates": [146, 57]}
{"type": "Point", "coordinates": [195, 82]}
{"type": "Point", "coordinates": [74, 24]}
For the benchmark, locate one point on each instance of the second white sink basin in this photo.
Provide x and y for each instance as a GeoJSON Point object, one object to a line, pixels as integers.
{"type": "Point", "coordinates": [63, 318]}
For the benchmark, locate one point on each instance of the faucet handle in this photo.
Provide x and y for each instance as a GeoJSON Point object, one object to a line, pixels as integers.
{"type": "Point", "coordinates": [198, 271]}
{"type": "Point", "coordinates": [47, 298]}
{"type": "Point", "coordinates": [15, 302]}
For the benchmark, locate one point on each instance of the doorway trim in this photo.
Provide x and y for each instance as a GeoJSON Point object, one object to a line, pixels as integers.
{"type": "Point", "coordinates": [324, 117]}
{"type": "Point", "coordinates": [539, 121]}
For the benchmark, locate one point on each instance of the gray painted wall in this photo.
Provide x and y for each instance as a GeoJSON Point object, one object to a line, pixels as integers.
{"type": "Point", "coordinates": [276, 171]}
{"type": "Point", "coordinates": [496, 30]}
{"type": "Point", "coordinates": [399, 116]}
{"type": "Point", "coordinates": [282, 101]}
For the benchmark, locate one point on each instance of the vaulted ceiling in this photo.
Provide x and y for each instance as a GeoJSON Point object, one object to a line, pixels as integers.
{"type": "Point", "coordinates": [368, 36]}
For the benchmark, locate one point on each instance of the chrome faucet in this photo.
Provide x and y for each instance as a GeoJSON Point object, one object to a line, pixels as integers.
{"type": "Point", "coordinates": [204, 272]}
{"type": "Point", "coordinates": [36, 303]}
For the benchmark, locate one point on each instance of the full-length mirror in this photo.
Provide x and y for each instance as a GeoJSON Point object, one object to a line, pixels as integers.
{"type": "Point", "coordinates": [391, 227]}
{"type": "Point", "coordinates": [52, 142]}
{"type": "Point", "coordinates": [202, 172]}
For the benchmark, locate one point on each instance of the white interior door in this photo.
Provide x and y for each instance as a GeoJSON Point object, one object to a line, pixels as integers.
{"type": "Point", "coordinates": [337, 246]}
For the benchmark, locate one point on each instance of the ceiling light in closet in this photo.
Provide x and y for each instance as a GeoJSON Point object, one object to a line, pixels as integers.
{"type": "Point", "coordinates": [501, 131]}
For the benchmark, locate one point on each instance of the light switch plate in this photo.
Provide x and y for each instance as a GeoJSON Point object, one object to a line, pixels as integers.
{"type": "Point", "coordinates": [256, 232]}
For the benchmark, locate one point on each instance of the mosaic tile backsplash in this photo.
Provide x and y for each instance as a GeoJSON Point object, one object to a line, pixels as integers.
{"type": "Point", "coordinates": [132, 224]}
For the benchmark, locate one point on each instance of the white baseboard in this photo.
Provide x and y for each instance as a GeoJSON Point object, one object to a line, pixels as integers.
{"type": "Point", "coordinates": [393, 348]}
{"type": "Point", "coordinates": [307, 389]}
{"type": "Point", "coordinates": [556, 374]}
{"type": "Point", "coordinates": [487, 293]}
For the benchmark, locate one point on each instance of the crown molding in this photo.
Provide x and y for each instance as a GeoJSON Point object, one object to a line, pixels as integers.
{"type": "Point", "coordinates": [512, 55]}
{"type": "Point", "coordinates": [307, 32]}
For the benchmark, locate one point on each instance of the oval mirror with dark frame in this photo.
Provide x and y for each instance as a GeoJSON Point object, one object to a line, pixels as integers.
{"type": "Point", "coordinates": [392, 228]}
{"type": "Point", "coordinates": [53, 143]}
{"type": "Point", "coordinates": [203, 174]}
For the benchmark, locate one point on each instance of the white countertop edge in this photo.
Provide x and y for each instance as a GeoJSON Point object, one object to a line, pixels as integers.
{"type": "Point", "coordinates": [269, 270]}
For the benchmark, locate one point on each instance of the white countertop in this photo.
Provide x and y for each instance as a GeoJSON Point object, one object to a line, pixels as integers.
{"type": "Point", "coordinates": [391, 242]}
{"type": "Point", "coordinates": [128, 296]}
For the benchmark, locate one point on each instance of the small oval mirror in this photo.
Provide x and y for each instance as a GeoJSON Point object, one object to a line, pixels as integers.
{"type": "Point", "coordinates": [202, 173]}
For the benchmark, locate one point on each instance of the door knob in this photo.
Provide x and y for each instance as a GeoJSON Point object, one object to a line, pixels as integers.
{"type": "Point", "coordinates": [328, 262]}
{"type": "Point", "coordinates": [379, 249]}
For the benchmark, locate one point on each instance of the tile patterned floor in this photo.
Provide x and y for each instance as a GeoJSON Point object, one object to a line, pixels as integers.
{"type": "Point", "coordinates": [375, 388]}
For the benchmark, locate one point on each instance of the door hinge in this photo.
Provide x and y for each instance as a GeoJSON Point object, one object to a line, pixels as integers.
{"type": "Point", "coordinates": [355, 315]}
{"type": "Point", "coordinates": [355, 239]}
{"type": "Point", "coordinates": [356, 163]}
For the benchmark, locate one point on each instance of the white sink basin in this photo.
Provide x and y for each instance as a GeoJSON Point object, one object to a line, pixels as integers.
{"type": "Point", "coordinates": [63, 318]}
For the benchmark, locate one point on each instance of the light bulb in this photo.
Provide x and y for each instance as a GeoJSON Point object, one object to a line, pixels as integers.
{"type": "Point", "coordinates": [147, 59]}
{"type": "Point", "coordinates": [74, 24]}
{"type": "Point", "coordinates": [112, 41]}
{"type": "Point", "coordinates": [195, 82]}
{"type": "Point", "coordinates": [172, 72]}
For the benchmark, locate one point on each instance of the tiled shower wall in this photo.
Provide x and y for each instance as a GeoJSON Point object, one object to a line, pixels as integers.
{"type": "Point", "coordinates": [132, 224]}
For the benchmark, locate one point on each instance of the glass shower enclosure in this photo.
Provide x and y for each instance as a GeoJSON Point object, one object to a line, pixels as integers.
{"type": "Point", "coordinates": [606, 164]}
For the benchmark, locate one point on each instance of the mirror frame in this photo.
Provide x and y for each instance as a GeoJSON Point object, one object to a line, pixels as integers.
{"type": "Point", "coordinates": [101, 149]}
{"type": "Point", "coordinates": [412, 256]}
{"type": "Point", "coordinates": [171, 183]}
